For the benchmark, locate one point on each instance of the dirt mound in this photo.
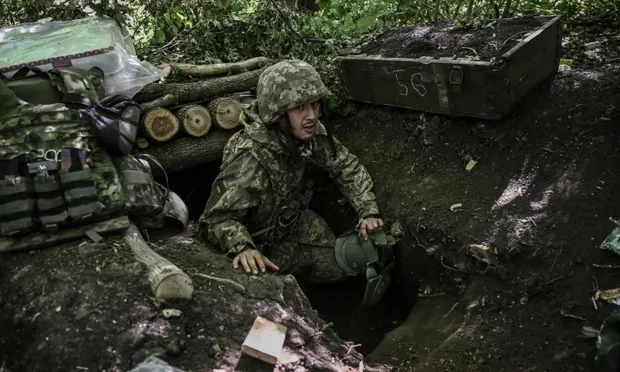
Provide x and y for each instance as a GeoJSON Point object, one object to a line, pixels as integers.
{"type": "Point", "coordinates": [479, 42]}
{"type": "Point", "coordinates": [88, 307]}
{"type": "Point", "coordinates": [518, 234]}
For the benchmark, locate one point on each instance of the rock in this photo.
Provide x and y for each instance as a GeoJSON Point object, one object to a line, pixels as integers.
{"type": "Point", "coordinates": [295, 337]}
{"type": "Point", "coordinates": [86, 250]}
{"type": "Point", "coordinates": [82, 312]}
{"type": "Point", "coordinates": [173, 347]}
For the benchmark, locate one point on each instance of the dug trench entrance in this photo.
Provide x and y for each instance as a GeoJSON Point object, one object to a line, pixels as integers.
{"type": "Point", "coordinates": [340, 304]}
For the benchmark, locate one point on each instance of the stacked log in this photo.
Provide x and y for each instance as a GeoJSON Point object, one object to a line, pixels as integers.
{"type": "Point", "coordinates": [188, 123]}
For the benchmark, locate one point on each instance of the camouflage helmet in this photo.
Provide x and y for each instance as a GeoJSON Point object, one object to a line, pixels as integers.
{"type": "Point", "coordinates": [286, 85]}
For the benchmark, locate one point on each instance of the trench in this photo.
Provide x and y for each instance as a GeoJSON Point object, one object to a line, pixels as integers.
{"type": "Point", "coordinates": [340, 303]}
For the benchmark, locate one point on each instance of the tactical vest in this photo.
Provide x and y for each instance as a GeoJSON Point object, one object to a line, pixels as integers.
{"type": "Point", "coordinates": [57, 182]}
{"type": "Point", "coordinates": [292, 191]}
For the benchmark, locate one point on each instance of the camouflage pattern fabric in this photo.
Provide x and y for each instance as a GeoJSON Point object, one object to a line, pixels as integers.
{"type": "Point", "coordinates": [243, 198]}
{"type": "Point", "coordinates": [141, 196]}
{"type": "Point", "coordinates": [310, 254]}
{"type": "Point", "coordinates": [286, 85]}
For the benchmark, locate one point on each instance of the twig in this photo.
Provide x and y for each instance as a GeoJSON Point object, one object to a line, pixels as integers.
{"type": "Point", "coordinates": [571, 315]}
{"type": "Point", "coordinates": [546, 149]}
{"type": "Point", "coordinates": [236, 286]}
{"type": "Point", "coordinates": [555, 280]}
{"type": "Point", "coordinates": [468, 48]}
{"type": "Point", "coordinates": [451, 309]}
{"type": "Point", "coordinates": [287, 21]}
{"type": "Point", "coordinates": [510, 38]}
{"type": "Point", "coordinates": [607, 266]}
{"type": "Point", "coordinates": [351, 348]}
{"type": "Point", "coordinates": [556, 258]}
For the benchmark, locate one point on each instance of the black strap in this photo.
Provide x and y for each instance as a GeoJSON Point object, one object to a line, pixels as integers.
{"type": "Point", "coordinates": [95, 110]}
{"type": "Point", "coordinates": [22, 72]}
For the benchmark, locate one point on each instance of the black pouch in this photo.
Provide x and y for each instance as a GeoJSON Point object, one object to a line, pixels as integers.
{"type": "Point", "coordinates": [17, 206]}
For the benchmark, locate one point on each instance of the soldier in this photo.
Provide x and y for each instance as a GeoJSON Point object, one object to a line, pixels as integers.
{"type": "Point", "coordinates": [258, 212]}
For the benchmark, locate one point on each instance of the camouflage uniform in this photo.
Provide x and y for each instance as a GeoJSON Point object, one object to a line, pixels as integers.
{"type": "Point", "coordinates": [259, 180]}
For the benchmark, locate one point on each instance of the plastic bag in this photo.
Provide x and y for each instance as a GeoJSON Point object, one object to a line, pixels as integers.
{"type": "Point", "coordinates": [83, 43]}
{"type": "Point", "coordinates": [154, 364]}
{"type": "Point", "coordinates": [612, 241]}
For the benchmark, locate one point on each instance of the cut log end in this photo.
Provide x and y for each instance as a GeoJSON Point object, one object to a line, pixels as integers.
{"type": "Point", "coordinates": [175, 286]}
{"type": "Point", "coordinates": [160, 125]}
{"type": "Point", "coordinates": [142, 143]}
{"type": "Point", "coordinates": [195, 120]}
{"type": "Point", "coordinates": [226, 112]}
{"type": "Point", "coordinates": [167, 280]}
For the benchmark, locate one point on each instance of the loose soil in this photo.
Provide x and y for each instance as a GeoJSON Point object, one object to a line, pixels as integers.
{"type": "Point", "coordinates": [479, 42]}
{"type": "Point", "coordinates": [511, 246]}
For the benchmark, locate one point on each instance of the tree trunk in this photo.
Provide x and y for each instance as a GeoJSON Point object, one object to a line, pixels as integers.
{"type": "Point", "coordinates": [220, 68]}
{"type": "Point", "coordinates": [506, 13]}
{"type": "Point", "coordinates": [470, 9]}
{"type": "Point", "coordinates": [165, 101]}
{"type": "Point", "coordinates": [195, 120]}
{"type": "Point", "coordinates": [160, 125]}
{"type": "Point", "coordinates": [201, 90]}
{"type": "Point", "coordinates": [436, 12]}
{"type": "Point", "coordinates": [226, 112]}
{"type": "Point", "coordinates": [183, 153]}
{"type": "Point", "coordinates": [166, 279]}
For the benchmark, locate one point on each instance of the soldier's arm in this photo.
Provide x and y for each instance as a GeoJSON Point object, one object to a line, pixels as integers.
{"type": "Point", "coordinates": [237, 189]}
{"type": "Point", "coordinates": [353, 178]}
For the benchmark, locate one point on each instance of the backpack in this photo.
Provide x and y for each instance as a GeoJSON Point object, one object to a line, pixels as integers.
{"type": "Point", "coordinates": [63, 175]}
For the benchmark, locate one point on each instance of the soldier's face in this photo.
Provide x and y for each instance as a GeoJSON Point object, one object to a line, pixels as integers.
{"type": "Point", "coordinates": [304, 120]}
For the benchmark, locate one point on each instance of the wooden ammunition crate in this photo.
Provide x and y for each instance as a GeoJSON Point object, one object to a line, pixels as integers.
{"type": "Point", "coordinates": [454, 86]}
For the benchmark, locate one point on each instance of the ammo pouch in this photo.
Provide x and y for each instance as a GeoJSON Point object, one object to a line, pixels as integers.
{"type": "Point", "coordinates": [80, 194]}
{"type": "Point", "coordinates": [51, 208]}
{"type": "Point", "coordinates": [141, 195]}
{"type": "Point", "coordinates": [17, 206]}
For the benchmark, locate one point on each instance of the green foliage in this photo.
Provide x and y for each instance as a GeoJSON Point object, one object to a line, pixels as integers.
{"type": "Point", "coordinates": [209, 31]}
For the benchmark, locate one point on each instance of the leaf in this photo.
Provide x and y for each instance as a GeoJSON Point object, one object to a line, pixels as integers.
{"type": "Point", "coordinates": [366, 23]}
{"type": "Point", "coordinates": [159, 36]}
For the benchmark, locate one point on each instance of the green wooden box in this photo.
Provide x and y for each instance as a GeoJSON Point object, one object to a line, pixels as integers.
{"type": "Point", "coordinates": [456, 87]}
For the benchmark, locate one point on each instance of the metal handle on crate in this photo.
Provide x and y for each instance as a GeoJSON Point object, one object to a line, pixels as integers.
{"type": "Point", "coordinates": [456, 75]}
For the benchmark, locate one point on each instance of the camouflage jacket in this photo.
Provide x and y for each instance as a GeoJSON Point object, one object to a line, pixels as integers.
{"type": "Point", "coordinates": [242, 199]}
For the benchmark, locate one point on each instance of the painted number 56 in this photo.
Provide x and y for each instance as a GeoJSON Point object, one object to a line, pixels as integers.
{"type": "Point", "coordinates": [415, 81]}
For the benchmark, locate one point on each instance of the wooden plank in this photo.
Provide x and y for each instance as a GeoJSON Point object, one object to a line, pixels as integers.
{"type": "Point", "coordinates": [416, 84]}
{"type": "Point", "coordinates": [536, 62]}
{"type": "Point", "coordinates": [535, 51]}
{"type": "Point", "coordinates": [265, 340]}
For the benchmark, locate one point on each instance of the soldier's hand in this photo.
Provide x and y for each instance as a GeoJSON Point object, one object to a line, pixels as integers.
{"type": "Point", "coordinates": [370, 225]}
{"type": "Point", "coordinates": [252, 261]}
